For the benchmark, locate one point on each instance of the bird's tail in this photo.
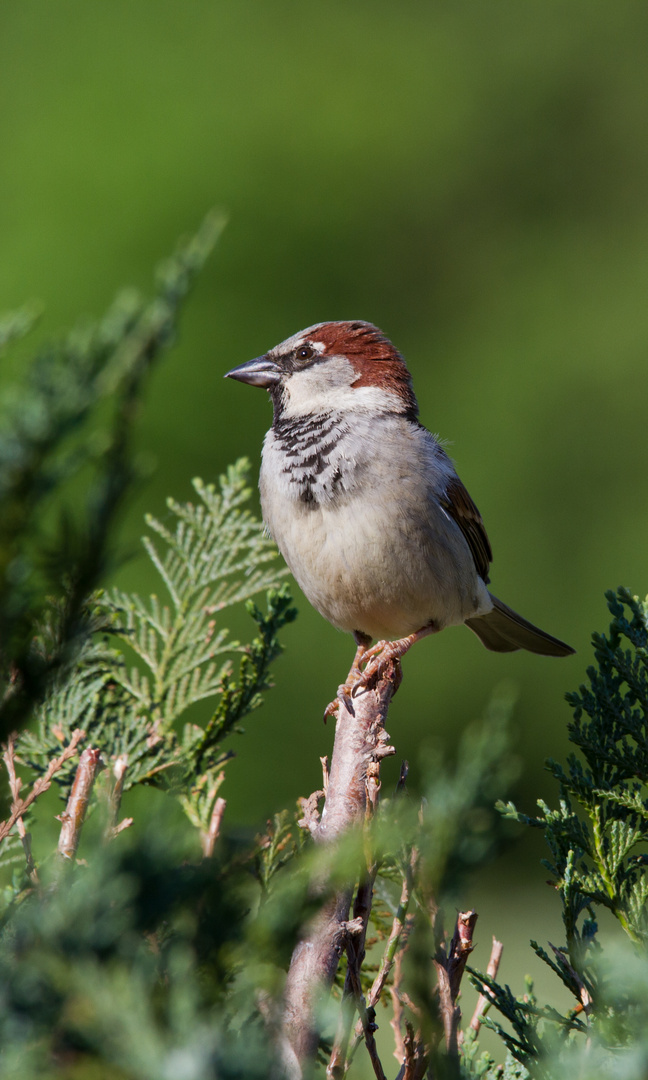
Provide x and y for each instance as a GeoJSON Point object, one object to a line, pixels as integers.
{"type": "Point", "coordinates": [503, 630]}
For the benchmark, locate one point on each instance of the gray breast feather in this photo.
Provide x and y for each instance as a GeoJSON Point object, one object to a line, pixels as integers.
{"type": "Point", "coordinates": [361, 526]}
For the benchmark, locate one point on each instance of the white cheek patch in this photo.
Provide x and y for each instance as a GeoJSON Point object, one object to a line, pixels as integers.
{"type": "Point", "coordinates": [320, 386]}
{"type": "Point", "coordinates": [328, 386]}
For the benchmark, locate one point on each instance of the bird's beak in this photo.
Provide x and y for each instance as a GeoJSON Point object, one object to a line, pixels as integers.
{"type": "Point", "coordinates": [260, 372]}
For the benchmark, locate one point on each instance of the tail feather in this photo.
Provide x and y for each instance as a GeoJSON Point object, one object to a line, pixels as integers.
{"type": "Point", "coordinates": [503, 630]}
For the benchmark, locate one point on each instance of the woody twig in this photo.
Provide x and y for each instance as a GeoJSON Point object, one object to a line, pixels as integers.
{"type": "Point", "coordinates": [74, 814]}
{"type": "Point", "coordinates": [19, 805]}
{"type": "Point", "coordinates": [352, 784]}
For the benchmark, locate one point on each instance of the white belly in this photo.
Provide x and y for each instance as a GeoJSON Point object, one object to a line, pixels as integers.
{"type": "Point", "coordinates": [386, 572]}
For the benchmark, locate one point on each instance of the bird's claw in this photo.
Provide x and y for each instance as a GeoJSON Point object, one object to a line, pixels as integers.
{"type": "Point", "coordinates": [331, 709]}
{"type": "Point", "coordinates": [379, 657]}
{"type": "Point", "coordinates": [359, 685]}
{"type": "Point", "coordinates": [344, 694]}
{"type": "Point", "coordinates": [375, 659]}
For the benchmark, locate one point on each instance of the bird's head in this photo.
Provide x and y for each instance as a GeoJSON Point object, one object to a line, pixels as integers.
{"type": "Point", "coordinates": [342, 365]}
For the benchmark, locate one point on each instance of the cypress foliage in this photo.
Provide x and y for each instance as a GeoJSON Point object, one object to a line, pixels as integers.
{"type": "Point", "coordinates": [162, 950]}
{"type": "Point", "coordinates": [597, 840]}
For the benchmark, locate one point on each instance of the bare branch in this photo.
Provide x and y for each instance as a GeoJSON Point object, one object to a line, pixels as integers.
{"type": "Point", "coordinates": [15, 784]}
{"type": "Point", "coordinates": [491, 970]}
{"type": "Point", "coordinates": [461, 947]}
{"type": "Point", "coordinates": [398, 925]}
{"type": "Point", "coordinates": [361, 913]}
{"type": "Point", "coordinates": [396, 943]}
{"type": "Point", "coordinates": [450, 969]}
{"type": "Point", "coordinates": [396, 1022]}
{"type": "Point", "coordinates": [408, 1052]}
{"type": "Point", "coordinates": [449, 1014]}
{"type": "Point", "coordinates": [125, 823]}
{"type": "Point", "coordinates": [414, 1009]}
{"type": "Point", "coordinates": [415, 1057]}
{"type": "Point", "coordinates": [360, 743]}
{"type": "Point", "coordinates": [360, 739]}
{"type": "Point", "coordinates": [19, 806]}
{"type": "Point", "coordinates": [208, 839]}
{"type": "Point", "coordinates": [340, 1059]}
{"type": "Point", "coordinates": [74, 814]}
{"type": "Point", "coordinates": [367, 1015]}
{"type": "Point", "coordinates": [325, 773]}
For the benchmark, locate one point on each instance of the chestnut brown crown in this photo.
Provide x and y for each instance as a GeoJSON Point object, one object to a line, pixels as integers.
{"type": "Point", "coordinates": [374, 357]}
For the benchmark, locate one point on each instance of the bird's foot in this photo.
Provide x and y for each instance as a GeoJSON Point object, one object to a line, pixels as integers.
{"type": "Point", "coordinates": [344, 694]}
{"type": "Point", "coordinates": [377, 659]}
{"type": "Point", "coordinates": [380, 655]}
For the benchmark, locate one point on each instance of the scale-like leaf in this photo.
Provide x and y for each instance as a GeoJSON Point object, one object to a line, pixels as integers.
{"type": "Point", "coordinates": [214, 557]}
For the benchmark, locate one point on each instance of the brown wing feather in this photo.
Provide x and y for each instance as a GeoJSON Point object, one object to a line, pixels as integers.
{"type": "Point", "coordinates": [461, 508]}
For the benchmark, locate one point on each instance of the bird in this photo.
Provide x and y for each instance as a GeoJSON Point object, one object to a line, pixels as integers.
{"type": "Point", "coordinates": [366, 506]}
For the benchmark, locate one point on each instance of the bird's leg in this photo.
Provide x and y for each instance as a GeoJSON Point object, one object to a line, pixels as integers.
{"type": "Point", "coordinates": [384, 651]}
{"type": "Point", "coordinates": [345, 691]}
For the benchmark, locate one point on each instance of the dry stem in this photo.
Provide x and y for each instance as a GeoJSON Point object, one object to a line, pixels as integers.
{"type": "Point", "coordinates": [491, 970]}
{"type": "Point", "coordinates": [398, 926]}
{"type": "Point", "coordinates": [360, 744]}
{"type": "Point", "coordinates": [18, 805]}
{"type": "Point", "coordinates": [394, 949]}
{"type": "Point", "coordinates": [352, 991]}
{"type": "Point", "coordinates": [450, 969]}
{"type": "Point", "coordinates": [414, 1056]}
{"type": "Point", "coordinates": [367, 1015]}
{"type": "Point", "coordinates": [74, 814]}
{"type": "Point", "coordinates": [208, 839]}
{"type": "Point", "coordinates": [396, 1022]}
{"type": "Point", "coordinates": [15, 784]}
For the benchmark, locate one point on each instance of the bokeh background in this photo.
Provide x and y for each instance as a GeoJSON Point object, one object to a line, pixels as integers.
{"type": "Point", "coordinates": [471, 177]}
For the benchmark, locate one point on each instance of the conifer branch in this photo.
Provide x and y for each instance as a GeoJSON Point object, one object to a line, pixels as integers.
{"type": "Point", "coordinates": [97, 366]}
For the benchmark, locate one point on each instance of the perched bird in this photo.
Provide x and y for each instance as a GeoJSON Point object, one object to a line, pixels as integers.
{"type": "Point", "coordinates": [366, 506]}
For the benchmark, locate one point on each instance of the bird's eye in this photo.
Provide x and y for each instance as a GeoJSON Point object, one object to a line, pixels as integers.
{"type": "Point", "coordinates": [304, 352]}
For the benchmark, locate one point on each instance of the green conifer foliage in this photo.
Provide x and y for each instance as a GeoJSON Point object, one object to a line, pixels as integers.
{"type": "Point", "coordinates": [597, 840]}
{"type": "Point", "coordinates": [66, 466]}
{"type": "Point", "coordinates": [217, 555]}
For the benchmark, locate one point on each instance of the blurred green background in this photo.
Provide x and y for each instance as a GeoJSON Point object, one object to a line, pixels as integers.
{"type": "Point", "coordinates": [471, 177]}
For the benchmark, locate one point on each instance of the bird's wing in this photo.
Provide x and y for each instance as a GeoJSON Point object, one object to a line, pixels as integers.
{"type": "Point", "coordinates": [457, 503]}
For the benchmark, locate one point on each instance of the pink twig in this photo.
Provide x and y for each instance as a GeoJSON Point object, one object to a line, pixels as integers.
{"type": "Point", "coordinates": [492, 969]}
{"type": "Point", "coordinates": [396, 1022]}
{"type": "Point", "coordinates": [209, 838]}
{"type": "Point", "coordinates": [74, 814]}
{"type": "Point", "coordinates": [18, 805]}
{"type": "Point", "coordinates": [450, 969]}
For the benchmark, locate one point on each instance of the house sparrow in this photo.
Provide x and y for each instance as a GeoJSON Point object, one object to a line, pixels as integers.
{"type": "Point", "coordinates": [366, 506]}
